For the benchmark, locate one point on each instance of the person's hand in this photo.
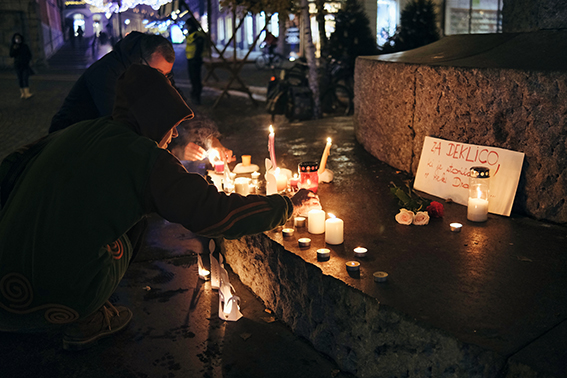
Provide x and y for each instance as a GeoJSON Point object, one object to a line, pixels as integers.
{"type": "Point", "coordinates": [223, 151]}
{"type": "Point", "coordinates": [193, 152]}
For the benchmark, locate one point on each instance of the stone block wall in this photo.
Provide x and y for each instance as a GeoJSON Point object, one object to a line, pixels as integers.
{"type": "Point", "coordinates": [364, 337]}
{"type": "Point", "coordinates": [398, 104]}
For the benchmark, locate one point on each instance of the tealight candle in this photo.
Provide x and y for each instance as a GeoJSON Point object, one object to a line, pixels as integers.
{"type": "Point", "coordinates": [316, 221]}
{"type": "Point", "coordinates": [353, 266]}
{"type": "Point", "coordinates": [323, 254]}
{"type": "Point", "coordinates": [360, 251]}
{"type": "Point", "coordinates": [287, 232]}
{"type": "Point", "coordinates": [334, 230]}
{"type": "Point", "coordinates": [304, 243]}
{"type": "Point", "coordinates": [380, 276]}
{"type": "Point", "coordinates": [456, 227]}
{"type": "Point", "coordinates": [299, 221]}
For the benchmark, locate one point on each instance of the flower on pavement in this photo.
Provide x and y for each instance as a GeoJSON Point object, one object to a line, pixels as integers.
{"type": "Point", "coordinates": [421, 218]}
{"type": "Point", "coordinates": [405, 216]}
{"type": "Point", "coordinates": [435, 210]}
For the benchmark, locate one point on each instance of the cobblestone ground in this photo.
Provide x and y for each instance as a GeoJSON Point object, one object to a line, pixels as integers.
{"type": "Point", "coordinates": [23, 121]}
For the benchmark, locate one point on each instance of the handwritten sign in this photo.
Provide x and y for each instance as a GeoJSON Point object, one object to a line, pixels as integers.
{"type": "Point", "coordinates": [444, 167]}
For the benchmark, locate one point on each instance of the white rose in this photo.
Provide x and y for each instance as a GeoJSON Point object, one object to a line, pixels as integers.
{"type": "Point", "coordinates": [421, 218]}
{"type": "Point", "coordinates": [405, 217]}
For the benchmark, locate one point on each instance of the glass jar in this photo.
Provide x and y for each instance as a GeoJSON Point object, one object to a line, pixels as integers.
{"type": "Point", "coordinates": [479, 186]}
{"type": "Point", "coordinates": [308, 176]}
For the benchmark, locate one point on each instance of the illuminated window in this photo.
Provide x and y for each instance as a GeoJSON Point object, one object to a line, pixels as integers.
{"type": "Point", "coordinates": [473, 17]}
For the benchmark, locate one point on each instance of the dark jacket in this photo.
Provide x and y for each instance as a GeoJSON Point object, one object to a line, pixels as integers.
{"type": "Point", "coordinates": [93, 94]}
{"type": "Point", "coordinates": [21, 53]}
{"type": "Point", "coordinates": [63, 227]}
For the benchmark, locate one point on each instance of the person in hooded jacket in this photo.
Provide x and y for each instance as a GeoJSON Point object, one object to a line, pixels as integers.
{"type": "Point", "coordinates": [22, 58]}
{"type": "Point", "coordinates": [69, 202]}
{"type": "Point", "coordinates": [93, 94]}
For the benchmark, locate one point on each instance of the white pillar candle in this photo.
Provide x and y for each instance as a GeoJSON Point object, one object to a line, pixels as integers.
{"type": "Point", "coordinates": [316, 221]}
{"type": "Point", "coordinates": [334, 230]}
{"type": "Point", "coordinates": [281, 180]}
{"type": "Point", "coordinates": [477, 209]}
{"type": "Point", "coordinates": [242, 185]}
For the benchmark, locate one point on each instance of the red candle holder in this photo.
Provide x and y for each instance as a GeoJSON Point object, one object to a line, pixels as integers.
{"type": "Point", "coordinates": [308, 176]}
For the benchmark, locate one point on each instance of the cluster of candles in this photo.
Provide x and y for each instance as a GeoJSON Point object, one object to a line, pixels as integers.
{"type": "Point", "coordinates": [333, 227]}
{"type": "Point", "coordinates": [308, 177]}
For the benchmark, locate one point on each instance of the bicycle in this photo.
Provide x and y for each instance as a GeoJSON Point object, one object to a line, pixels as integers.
{"type": "Point", "coordinates": [274, 60]}
{"type": "Point", "coordinates": [338, 94]}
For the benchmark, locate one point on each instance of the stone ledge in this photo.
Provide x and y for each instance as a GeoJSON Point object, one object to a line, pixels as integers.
{"type": "Point", "coordinates": [364, 337]}
{"type": "Point", "coordinates": [401, 98]}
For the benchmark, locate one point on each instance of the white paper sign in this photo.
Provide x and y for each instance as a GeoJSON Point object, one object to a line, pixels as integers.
{"type": "Point", "coordinates": [444, 168]}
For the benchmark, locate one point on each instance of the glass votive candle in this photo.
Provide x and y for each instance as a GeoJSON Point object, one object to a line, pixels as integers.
{"type": "Point", "coordinates": [360, 252]}
{"type": "Point", "coordinates": [219, 166]}
{"type": "Point", "coordinates": [323, 254]}
{"type": "Point", "coordinates": [304, 242]}
{"type": "Point", "coordinates": [352, 266]}
{"type": "Point", "coordinates": [299, 221]}
{"type": "Point", "coordinates": [287, 232]}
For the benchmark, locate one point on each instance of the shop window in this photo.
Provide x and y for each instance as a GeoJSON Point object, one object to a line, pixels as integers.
{"type": "Point", "coordinates": [473, 16]}
{"type": "Point", "coordinates": [386, 20]}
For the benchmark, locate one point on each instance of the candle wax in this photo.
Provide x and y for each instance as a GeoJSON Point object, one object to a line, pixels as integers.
{"type": "Point", "coordinates": [477, 210]}
{"type": "Point", "coordinates": [334, 231]}
{"type": "Point", "coordinates": [316, 221]}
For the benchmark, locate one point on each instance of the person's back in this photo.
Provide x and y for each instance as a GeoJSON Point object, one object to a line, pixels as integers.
{"type": "Point", "coordinates": [92, 96]}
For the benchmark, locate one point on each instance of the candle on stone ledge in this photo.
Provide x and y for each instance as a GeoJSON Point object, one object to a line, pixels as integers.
{"type": "Point", "coordinates": [353, 266]}
{"type": "Point", "coordinates": [323, 254]}
{"type": "Point", "coordinates": [299, 222]}
{"type": "Point", "coordinates": [304, 242]}
{"type": "Point", "coordinates": [360, 251]}
{"type": "Point", "coordinates": [316, 221]}
{"type": "Point", "coordinates": [334, 230]}
{"type": "Point", "coordinates": [294, 181]}
{"type": "Point", "coordinates": [271, 147]}
{"type": "Point", "coordinates": [281, 180]}
{"type": "Point", "coordinates": [479, 179]}
{"type": "Point", "coordinates": [287, 232]}
{"type": "Point", "coordinates": [325, 156]}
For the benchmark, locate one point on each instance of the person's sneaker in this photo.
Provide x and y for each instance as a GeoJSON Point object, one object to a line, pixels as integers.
{"type": "Point", "coordinates": [105, 322]}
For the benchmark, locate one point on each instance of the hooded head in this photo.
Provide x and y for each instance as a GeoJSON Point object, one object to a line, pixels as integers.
{"type": "Point", "coordinates": [17, 38]}
{"type": "Point", "coordinates": [146, 100]}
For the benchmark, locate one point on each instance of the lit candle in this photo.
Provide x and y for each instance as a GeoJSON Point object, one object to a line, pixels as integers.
{"type": "Point", "coordinates": [246, 160]}
{"type": "Point", "coordinates": [299, 222]}
{"type": "Point", "coordinates": [271, 147]}
{"type": "Point", "coordinates": [477, 210]}
{"type": "Point", "coordinates": [304, 243]}
{"type": "Point", "coordinates": [456, 227]}
{"type": "Point", "coordinates": [323, 254]}
{"type": "Point", "coordinates": [325, 156]}
{"type": "Point", "coordinates": [281, 180]}
{"type": "Point", "coordinates": [294, 181]}
{"type": "Point", "coordinates": [360, 251]}
{"type": "Point", "coordinates": [352, 266]}
{"type": "Point", "coordinates": [287, 232]}
{"type": "Point", "coordinates": [204, 274]}
{"type": "Point", "coordinates": [334, 230]}
{"type": "Point", "coordinates": [316, 221]}
{"type": "Point", "coordinates": [219, 166]}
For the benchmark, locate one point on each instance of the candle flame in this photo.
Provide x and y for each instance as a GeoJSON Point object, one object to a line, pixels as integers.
{"type": "Point", "coordinates": [277, 171]}
{"type": "Point", "coordinates": [271, 129]}
{"type": "Point", "coordinates": [332, 215]}
{"type": "Point", "coordinates": [295, 175]}
{"type": "Point", "coordinates": [213, 155]}
{"type": "Point", "coordinates": [328, 140]}
{"type": "Point", "coordinates": [478, 193]}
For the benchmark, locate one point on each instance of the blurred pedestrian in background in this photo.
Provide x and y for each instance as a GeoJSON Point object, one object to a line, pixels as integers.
{"type": "Point", "coordinates": [22, 58]}
{"type": "Point", "coordinates": [195, 44]}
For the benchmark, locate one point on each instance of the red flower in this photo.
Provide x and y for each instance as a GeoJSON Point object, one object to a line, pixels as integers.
{"type": "Point", "coordinates": [435, 210]}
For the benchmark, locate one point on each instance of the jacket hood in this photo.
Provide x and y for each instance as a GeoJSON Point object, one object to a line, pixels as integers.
{"type": "Point", "coordinates": [129, 49]}
{"type": "Point", "coordinates": [147, 101]}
